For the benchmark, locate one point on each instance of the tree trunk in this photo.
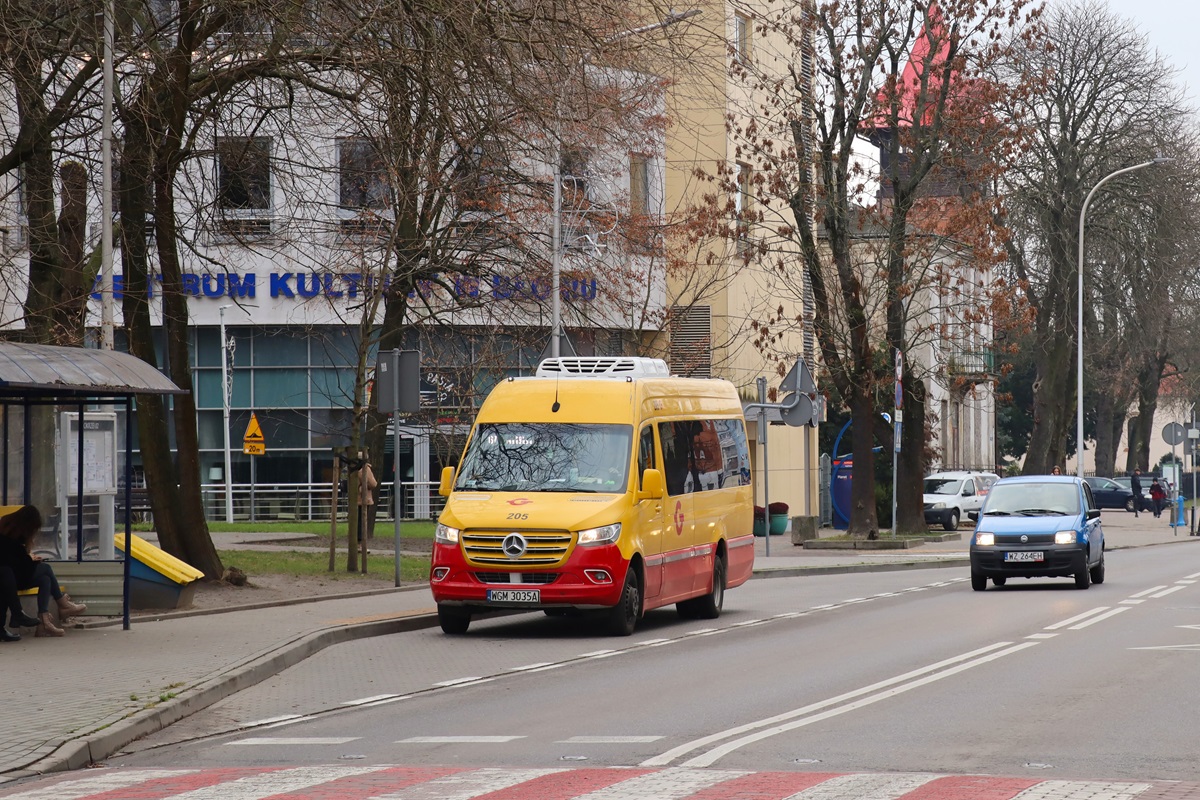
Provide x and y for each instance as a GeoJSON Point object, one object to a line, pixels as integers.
{"type": "Point", "coordinates": [913, 460]}
{"type": "Point", "coordinates": [1053, 402]}
{"type": "Point", "coordinates": [1106, 453]}
{"type": "Point", "coordinates": [864, 521]}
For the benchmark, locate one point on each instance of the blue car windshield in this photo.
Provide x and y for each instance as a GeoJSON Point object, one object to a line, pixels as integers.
{"type": "Point", "coordinates": [1033, 499]}
{"type": "Point", "coordinates": [547, 457]}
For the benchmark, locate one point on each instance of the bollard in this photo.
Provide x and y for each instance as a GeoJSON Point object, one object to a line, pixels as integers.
{"type": "Point", "coordinates": [1179, 521]}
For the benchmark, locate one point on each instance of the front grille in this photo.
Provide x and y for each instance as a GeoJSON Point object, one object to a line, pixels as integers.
{"type": "Point", "coordinates": [538, 578]}
{"type": "Point", "coordinates": [544, 548]}
{"type": "Point", "coordinates": [1012, 539]}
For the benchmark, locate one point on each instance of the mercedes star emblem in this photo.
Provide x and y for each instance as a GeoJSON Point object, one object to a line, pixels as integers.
{"type": "Point", "coordinates": [514, 545]}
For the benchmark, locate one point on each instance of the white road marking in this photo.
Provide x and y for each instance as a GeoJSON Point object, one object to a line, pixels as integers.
{"type": "Point", "coordinates": [865, 787]}
{"type": "Point", "coordinates": [1076, 618]}
{"type": "Point", "coordinates": [1166, 592]}
{"type": "Point", "coordinates": [719, 752]}
{"type": "Point", "coordinates": [595, 653]}
{"type": "Point", "coordinates": [375, 699]}
{"type": "Point", "coordinates": [97, 783]}
{"type": "Point", "coordinates": [459, 739]}
{"type": "Point", "coordinates": [669, 784]}
{"type": "Point", "coordinates": [1094, 790]}
{"type": "Point", "coordinates": [703, 632]}
{"type": "Point", "coordinates": [669, 756]}
{"type": "Point", "coordinates": [1188, 647]}
{"type": "Point", "coordinates": [608, 739]}
{"type": "Point", "coordinates": [268, 784]}
{"type": "Point", "coordinates": [748, 622]}
{"type": "Point", "coordinates": [1151, 590]}
{"type": "Point", "coordinates": [269, 720]}
{"type": "Point", "coordinates": [457, 681]}
{"type": "Point", "coordinates": [1193, 576]}
{"type": "Point", "coordinates": [1099, 618]}
{"type": "Point", "coordinates": [653, 642]}
{"type": "Point", "coordinates": [1189, 627]}
{"type": "Point", "coordinates": [1186, 582]}
{"type": "Point", "coordinates": [822, 608]}
{"type": "Point", "coordinates": [467, 785]}
{"type": "Point", "coordinates": [1041, 636]}
{"type": "Point", "coordinates": [1132, 602]}
{"type": "Point", "coordinates": [290, 741]}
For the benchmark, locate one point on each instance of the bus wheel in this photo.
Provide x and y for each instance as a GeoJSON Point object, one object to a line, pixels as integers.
{"type": "Point", "coordinates": [623, 617]}
{"type": "Point", "coordinates": [709, 606]}
{"type": "Point", "coordinates": [453, 619]}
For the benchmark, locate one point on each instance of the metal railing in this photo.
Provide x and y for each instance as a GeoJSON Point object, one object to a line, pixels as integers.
{"type": "Point", "coordinates": [310, 502]}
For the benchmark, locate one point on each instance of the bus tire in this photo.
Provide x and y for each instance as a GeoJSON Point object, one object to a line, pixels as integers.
{"type": "Point", "coordinates": [623, 617]}
{"type": "Point", "coordinates": [709, 606]}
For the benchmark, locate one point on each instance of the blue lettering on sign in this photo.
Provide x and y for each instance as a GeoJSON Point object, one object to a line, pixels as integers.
{"type": "Point", "coordinates": [309, 285]}
{"type": "Point", "coordinates": [279, 284]}
{"type": "Point", "coordinates": [241, 285]}
{"type": "Point", "coordinates": [312, 289]}
{"type": "Point", "coordinates": [214, 285]}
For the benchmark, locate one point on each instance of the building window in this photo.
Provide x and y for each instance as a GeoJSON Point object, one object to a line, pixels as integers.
{"type": "Point", "coordinates": [244, 173]}
{"type": "Point", "coordinates": [741, 205]}
{"type": "Point", "coordinates": [362, 175]}
{"type": "Point", "coordinates": [742, 31]}
{"type": "Point", "coordinates": [573, 171]}
{"type": "Point", "coordinates": [639, 185]}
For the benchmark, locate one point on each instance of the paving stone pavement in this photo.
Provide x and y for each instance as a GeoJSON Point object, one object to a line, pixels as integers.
{"type": "Point", "coordinates": [611, 783]}
{"type": "Point", "coordinates": [91, 692]}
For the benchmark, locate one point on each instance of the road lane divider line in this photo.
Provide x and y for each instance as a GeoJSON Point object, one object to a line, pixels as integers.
{"type": "Point", "coordinates": [609, 740]}
{"type": "Point", "coordinates": [1194, 575]}
{"type": "Point", "coordinates": [1151, 590]}
{"type": "Point", "coordinates": [459, 739]}
{"type": "Point", "coordinates": [1166, 592]}
{"type": "Point", "coordinates": [365, 700]}
{"type": "Point", "coordinates": [270, 720]}
{"type": "Point", "coordinates": [1099, 618]}
{"type": "Point", "coordinates": [292, 741]}
{"type": "Point", "coordinates": [1076, 618]}
{"type": "Point", "coordinates": [721, 751]}
{"type": "Point", "coordinates": [1041, 636]}
{"type": "Point", "coordinates": [666, 758]}
{"type": "Point", "coordinates": [1133, 602]}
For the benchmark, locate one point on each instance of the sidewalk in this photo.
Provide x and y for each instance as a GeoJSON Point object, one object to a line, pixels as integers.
{"type": "Point", "coordinates": [84, 696]}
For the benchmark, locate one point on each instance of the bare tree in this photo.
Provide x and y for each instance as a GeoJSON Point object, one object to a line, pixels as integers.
{"type": "Point", "coordinates": [1105, 101]}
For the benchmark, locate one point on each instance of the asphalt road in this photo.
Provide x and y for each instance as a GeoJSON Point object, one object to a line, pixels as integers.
{"type": "Point", "coordinates": [889, 672]}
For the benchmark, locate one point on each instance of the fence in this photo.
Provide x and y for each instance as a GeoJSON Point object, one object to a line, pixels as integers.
{"type": "Point", "coordinates": [310, 502]}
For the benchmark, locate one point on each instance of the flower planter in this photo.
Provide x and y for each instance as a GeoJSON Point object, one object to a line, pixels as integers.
{"type": "Point", "coordinates": [778, 524]}
{"type": "Point", "coordinates": [760, 526]}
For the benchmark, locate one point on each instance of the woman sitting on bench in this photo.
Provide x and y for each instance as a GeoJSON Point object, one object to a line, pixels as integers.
{"type": "Point", "coordinates": [17, 531]}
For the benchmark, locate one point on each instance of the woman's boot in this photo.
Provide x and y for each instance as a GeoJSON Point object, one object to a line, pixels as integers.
{"type": "Point", "coordinates": [69, 608]}
{"type": "Point", "coordinates": [46, 626]}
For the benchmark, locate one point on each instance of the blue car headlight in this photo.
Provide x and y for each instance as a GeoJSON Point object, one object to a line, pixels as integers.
{"type": "Point", "coordinates": [1065, 537]}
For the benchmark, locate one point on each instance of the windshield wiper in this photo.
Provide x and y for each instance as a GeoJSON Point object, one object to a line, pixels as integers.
{"type": "Point", "coordinates": [1041, 512]}
{"type": "Point", "coordinates": [997, 513]}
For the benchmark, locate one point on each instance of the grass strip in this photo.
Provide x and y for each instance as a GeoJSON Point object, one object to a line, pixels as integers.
{"type": "Point", "coordinates": [380, 567]}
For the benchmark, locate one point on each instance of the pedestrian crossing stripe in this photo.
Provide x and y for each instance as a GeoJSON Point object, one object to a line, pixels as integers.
{"type": "Point", "coordinates": [338, 782]}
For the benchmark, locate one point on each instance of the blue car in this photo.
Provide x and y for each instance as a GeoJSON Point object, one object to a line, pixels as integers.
{"type": "Point", "coordinates": [1038, 526]}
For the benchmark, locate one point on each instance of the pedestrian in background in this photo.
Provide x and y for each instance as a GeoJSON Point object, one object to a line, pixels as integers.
{"type": "Point", "coordinates": [1135, 485]}
{"type": "Point", "coordinates": [1056, 471]}
{"type": "Point", "coordinates": [17, 531]}
{"type": "Point", "coordinates": [1158, 497]}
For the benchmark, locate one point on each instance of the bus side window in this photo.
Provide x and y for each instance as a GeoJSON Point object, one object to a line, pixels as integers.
{"type": "Point", "coordinates": [645, 452]}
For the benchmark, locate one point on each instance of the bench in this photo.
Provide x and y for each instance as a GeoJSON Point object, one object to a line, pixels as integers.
{"type": "Point", "coordinates": [98, 584]}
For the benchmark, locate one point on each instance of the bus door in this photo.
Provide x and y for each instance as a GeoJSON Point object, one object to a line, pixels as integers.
{"type": "Point", "coordinates": [650, 515]}
{"type": "Point", "coordinates": [679, 557]}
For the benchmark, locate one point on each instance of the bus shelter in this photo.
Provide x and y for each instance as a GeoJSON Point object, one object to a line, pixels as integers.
{"type": "Point", "coordinates": [61, 404]}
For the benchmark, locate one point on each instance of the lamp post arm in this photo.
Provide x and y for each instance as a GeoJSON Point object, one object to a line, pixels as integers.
{"type": "Point", "coordinates": [1087, 201]}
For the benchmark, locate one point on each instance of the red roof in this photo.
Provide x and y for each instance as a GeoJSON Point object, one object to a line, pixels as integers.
{"type": "Point", "coordinates": [909, 83]}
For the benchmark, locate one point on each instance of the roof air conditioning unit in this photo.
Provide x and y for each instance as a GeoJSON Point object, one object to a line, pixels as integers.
{"type": "Point", "coordinates": [603, 367]}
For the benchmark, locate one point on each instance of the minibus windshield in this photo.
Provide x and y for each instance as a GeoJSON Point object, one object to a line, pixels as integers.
{"type": "Point", "coordinates": [547, 457]}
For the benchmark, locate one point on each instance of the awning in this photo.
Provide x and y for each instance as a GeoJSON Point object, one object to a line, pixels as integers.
{"type": "Point", "coordinates": [48, 370]}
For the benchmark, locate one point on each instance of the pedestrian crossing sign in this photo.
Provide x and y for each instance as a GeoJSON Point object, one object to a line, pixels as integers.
{"type": "Point", "coordinates": [253, 443]}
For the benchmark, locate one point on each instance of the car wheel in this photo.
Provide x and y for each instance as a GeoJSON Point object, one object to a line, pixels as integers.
{"type": "Point", "coordinates": [709, 606]}
{"type": "Point", "coordinates": [978, 581]}
{"type": "Point", "coordinates": [999, 580]}
{"type": "Point", "coordinates": [454, 620]}
{"type": "Point", "coordinates": [1097, 572]}
{"type": "Point", "coordinates": [1129, 504]}
{"type": "Point", "coordinates": [623, 617]}
{"type": "Point", "coordinates": [952, 521]}
{"type": "Point", "coordinates": [1083, 578]}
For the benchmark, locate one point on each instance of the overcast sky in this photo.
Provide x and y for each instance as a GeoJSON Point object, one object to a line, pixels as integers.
{"type": "Point", "coordinates": [1172, 27]}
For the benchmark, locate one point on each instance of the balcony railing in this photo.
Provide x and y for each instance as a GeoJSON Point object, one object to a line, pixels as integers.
{"type": "Point", "coordinates": [979, 364]}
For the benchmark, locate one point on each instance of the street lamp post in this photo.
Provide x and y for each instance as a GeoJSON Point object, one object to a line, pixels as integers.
{"type": "Point", "coordinates": [1079, 311]}
{"type": "Point", "coordinates": [556, 244]}
{"type": "Point", "coordinates": [225, 409]}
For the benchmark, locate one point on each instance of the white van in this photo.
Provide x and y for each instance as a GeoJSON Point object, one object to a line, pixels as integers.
{"type": "Point", "coordinates": [949, 496]}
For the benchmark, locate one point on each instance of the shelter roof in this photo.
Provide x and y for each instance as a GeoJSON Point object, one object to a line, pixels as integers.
{"type": "Point", "coordinates": [39, 369]}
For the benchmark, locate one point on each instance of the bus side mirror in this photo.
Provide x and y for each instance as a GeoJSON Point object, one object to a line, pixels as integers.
{"type": "Point", "coordinates": [653, 487]}
{"type": "Point", "coordinates": [447, 481]}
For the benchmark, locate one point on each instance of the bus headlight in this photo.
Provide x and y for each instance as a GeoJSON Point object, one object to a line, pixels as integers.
{"type": "Point", "coordinates": [603, 535]}
{"type": "Point", "coordinates": [444, 534]}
